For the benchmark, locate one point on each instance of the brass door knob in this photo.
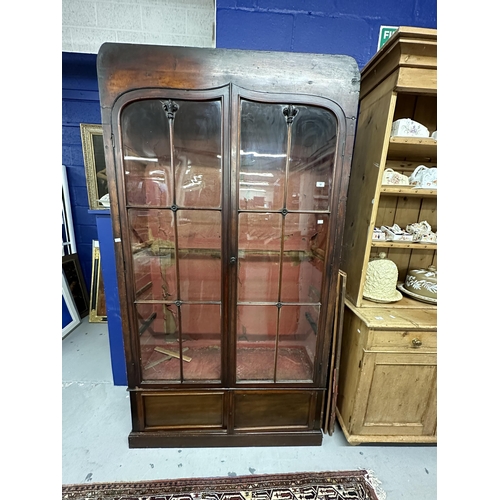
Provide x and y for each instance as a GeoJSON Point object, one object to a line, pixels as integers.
{"type": "Point", "coordinates": [416, 342]}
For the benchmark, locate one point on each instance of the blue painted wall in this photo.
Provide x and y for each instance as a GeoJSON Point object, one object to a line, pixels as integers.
{"type": "Point", "coordinates": [80, 104]}
{"type": "Point", "coordinates": [349, 27]}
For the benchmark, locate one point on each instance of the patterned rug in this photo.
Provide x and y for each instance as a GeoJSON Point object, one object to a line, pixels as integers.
{"type": "Point", "coordinates": [343, 485]}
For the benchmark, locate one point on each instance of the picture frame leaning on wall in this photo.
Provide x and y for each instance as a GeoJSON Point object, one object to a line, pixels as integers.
{"type": "Point", "coordinates": [95, 165]}
{"type": "Point", "coordinates": [97, 312]}
{"type": "Point", "coordinates": [74, 276]}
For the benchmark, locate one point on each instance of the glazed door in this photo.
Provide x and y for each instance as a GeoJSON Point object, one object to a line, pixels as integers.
{"type": "Point", "coordinates": [286, 156]}
{"type": "Point", "coordinates": [230, 260]}
{"type": "Point", "coordinates": [173, 176]}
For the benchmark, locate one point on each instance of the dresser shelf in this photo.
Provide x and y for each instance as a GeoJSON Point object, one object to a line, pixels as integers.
{"type": "Point", "coordinates": [388, 366]}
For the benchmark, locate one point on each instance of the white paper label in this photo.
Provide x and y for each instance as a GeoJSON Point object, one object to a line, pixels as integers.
{"type": "Point", "coordinates": [320, 184]}
{"type": "Point", "coordinates": [320, 221]}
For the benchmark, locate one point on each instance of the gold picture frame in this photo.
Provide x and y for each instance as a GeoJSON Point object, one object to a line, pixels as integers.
{"type": "Point", "coordinates": [95, 164]}
{"type": "Point", "coordinates": [97, 312]}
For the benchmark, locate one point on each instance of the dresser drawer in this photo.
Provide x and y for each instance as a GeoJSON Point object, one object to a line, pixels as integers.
{"type": "Point", "coordinates": [389, 340]}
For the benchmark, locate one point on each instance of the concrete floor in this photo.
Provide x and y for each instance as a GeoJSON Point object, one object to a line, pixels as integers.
{"type": "Point", "coordinates": [96, 423]}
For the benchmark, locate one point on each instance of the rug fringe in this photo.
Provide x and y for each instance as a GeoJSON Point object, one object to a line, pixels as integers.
{"type": "Point", "coordinates": [376, 484]}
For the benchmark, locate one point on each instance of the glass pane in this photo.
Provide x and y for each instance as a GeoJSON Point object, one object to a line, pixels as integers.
{"type": "Point", "coordinates": [197, 143]}
{"type": "Point", "coordinates": [304, 251]}
{"type": "Point", "coordinates": [198, 153]}
{"type": "Point", "coordinates": [256, 342]}
{"type": "Point", "coordinates": [298, 327]}
{"type": "Point", "coordinates": [201, 341]}
{"type": "Point", "coordinates": [153, 248]}
{"type": "Point", "coordinates": [314, 141]}
{"type": "Point", "coordinates": [159, 335]}
{"type": "Point", "coordinates": [262, 156]}
{"type": "Point", "coordinates": [199, 237]}
{"type": "Point", "coordinates": [146, 152]}
{"type": "Point", "coordinates": [259, 237]}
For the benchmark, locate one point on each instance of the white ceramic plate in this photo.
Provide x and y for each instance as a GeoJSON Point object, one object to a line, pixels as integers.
{"type": "Point", "coordinates": [397, 296]}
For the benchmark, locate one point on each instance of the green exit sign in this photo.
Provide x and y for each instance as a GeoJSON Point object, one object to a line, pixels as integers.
{"type": "Point", "coordinates": [384, 35]}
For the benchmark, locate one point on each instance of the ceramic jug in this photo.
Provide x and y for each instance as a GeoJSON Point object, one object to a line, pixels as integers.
{"type": "Point", "coordinates": [391, 177]}
{"type": "Point", "coordinates": [424, 177]}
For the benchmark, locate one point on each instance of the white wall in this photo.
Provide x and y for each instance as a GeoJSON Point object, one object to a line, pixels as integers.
{"type": "Point", "coordinates": [86, 24]}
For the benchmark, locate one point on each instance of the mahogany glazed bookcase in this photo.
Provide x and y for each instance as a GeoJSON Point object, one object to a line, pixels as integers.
{"type": "Point", "coordinates": [228, 174]}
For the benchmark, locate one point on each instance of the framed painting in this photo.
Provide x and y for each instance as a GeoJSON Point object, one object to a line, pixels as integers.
{"type": "Point", "coordinates": [68, 230]}
{"type": "Point", "coordinates": [95, 165]}
{"type": "Point", "coordinates": [73, 273]}
{"type": "Point", "coordinates": [70, 317]}
{"type": "Point", "coordinates": [97, 299]}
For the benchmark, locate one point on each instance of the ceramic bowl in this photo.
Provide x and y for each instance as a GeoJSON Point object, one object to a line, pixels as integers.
{"type": "Point", "coordinates": [378, 234]}
{"type": "Point", "coordinates": [395, 233]}
{"type": "Point", "coordinates": [405, 127]}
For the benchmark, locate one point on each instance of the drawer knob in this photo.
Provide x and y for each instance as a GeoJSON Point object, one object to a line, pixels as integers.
{"type": "Point", "coordinates": [416, 342]}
